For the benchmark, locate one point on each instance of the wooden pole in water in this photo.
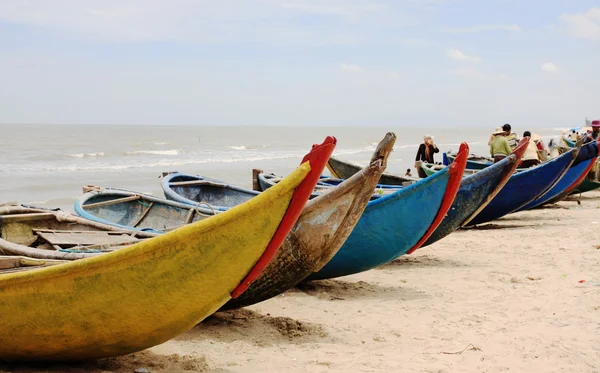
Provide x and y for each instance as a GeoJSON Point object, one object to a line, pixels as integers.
{"type": "Point", "coordinates": [255, 172]}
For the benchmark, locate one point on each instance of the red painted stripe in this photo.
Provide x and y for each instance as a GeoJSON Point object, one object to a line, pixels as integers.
{"type": "Point", "coordinates": [457, 169]}
{"type": "Point", "coordinates": [318, 157]}
{"type": "Point", "coordinates": [583, 175]}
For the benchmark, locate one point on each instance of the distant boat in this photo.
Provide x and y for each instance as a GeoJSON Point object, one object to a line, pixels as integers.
{"type": "Point", "coordinates": [474, 162]}
{"type": "Point", "coordinates": [147, 293]}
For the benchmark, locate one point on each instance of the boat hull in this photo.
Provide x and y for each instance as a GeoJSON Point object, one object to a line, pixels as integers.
{"type": "Point", "coordinates": [144, 294]}
{"type": "Point", "coordinates": [523, 187]}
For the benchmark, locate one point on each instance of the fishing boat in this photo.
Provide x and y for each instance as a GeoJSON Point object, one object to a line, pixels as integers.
{"type": "Point", "coordinates": [323, 227]}
{"type": "Point", "coordinates": [397, 223]}
{"type": "Point", "coordinates": [344, 170]}
{"type": "Point", "coordinates": [591, 181]}
{"type": "Point", "coordinates": [523, 187]}
{"type": "Point", "coordinates": [57, 235]}
{"type": "Point", "coordinates": [476, 191]}
{"type": "Point", "coordinates": [142, 295]}
{"type": "Point", "coordinates": [430, 169]}
{"type": "Point", "coordinates": [138, 211]}
{"type": "Point", "coordinates": [474, 162]}
{"type": "Point", "coordinates": [574, 176]}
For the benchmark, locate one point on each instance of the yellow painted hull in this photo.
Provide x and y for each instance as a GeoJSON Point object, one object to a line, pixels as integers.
{"type": "Point", "coordinates": [140, 296]}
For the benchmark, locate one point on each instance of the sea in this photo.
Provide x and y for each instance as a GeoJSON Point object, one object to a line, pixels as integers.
{"type": "Point", "coordinates": [47, 165]}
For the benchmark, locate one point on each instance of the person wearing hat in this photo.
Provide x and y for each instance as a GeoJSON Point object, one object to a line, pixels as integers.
{"type": "Point", "coordinates": [499, 148]}
{"type": "Point", "coordinates": [595, 129]}
{"type": "Point", "coordinates": [530, 158]}
{"type": "Point", "coordinates": [425, 154]}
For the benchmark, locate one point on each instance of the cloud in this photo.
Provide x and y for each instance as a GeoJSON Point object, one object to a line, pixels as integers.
{"type": "Point", "coordinates": [349, 68]}
{"type": "Point", "coordinates": [395, 75]}
{"type": "Point", "coordinates": [549, 67]}
{"type": "Point", "coordinates": [482, 28]}
{"type": "Point", "coordinates": [583, 25]}
{"type": "Point", "coordinates": [457, 55]}
{"type": "Point", "coordinates": [287, 22]}
{"type": "Point", "coordinates": [336, 8]}
{"type": "Point", "coordinates": [472, 72]}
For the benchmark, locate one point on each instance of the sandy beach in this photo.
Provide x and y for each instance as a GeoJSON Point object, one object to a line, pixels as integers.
{"type": "Point", "coordinates": [505, 296]}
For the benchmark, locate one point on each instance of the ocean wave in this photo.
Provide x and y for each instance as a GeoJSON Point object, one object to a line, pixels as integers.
{"type": "Point", "coordinates": [160, 143]}
{"type": "Point", "coordinates": [369, 148]}
{"type": "Point", "coordinates": [154, 152]}
{"type": "Point", "coordinates": [247, 147]}
{"type": "Point", "coordinates": [86, 155]}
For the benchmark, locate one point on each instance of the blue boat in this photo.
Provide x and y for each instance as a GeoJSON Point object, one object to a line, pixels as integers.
{"type": "Point", "coordinates": [573, 177]}
{"type": "Point", "coordinates": [397, 223]}
{"type": "Point", "coordinates": [474, 162]}
{"type": "Point", "coordinates": [523, 187]}
{"type": "Point", "coordinates": [477, 191]}
{"type": "Point", "coordinates": [142, 212]}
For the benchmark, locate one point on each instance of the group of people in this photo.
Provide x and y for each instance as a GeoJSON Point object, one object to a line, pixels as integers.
{"type": "Point", "coordinates": [503, 141]}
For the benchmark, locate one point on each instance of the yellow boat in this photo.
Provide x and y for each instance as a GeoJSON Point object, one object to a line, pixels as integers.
{"type": "Point", "coordinates": [142, 295]}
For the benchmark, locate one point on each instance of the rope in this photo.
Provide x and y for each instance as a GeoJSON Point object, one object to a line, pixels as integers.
{"type": "Point", "coordinates": [204, 203]}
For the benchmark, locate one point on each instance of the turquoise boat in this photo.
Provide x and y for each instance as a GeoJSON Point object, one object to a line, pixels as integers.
{"type": "Point", "coordinates": [397, 223]}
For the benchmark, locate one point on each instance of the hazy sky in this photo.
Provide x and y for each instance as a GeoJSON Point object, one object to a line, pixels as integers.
{"type": "Point", "coordinates": [294, 62]}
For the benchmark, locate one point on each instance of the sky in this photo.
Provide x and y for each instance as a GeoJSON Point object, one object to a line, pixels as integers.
{"type": "Point", "coordinates": [435, 63]}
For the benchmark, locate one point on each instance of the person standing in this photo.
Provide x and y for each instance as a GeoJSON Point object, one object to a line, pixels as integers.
{"type": "Point", "coordinates": [499, 148]}
{"type": "Point", "coordinates": [530, 158]}
{"type": "Point", "coordinates": [425, 154]}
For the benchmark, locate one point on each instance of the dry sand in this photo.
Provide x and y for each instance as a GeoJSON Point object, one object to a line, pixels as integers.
{"type": "Point", "coordinates": [503, 297]}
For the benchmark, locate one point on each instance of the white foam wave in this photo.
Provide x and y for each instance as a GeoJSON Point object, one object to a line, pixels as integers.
{"type": "Point", "coordinates": [154, 152]}
{"type": "Point", "coordinates": [237, 147]}
{"type": "Point", "coordinates": [87, 155]}
{"type": "Point", "coordinates": [160, 143]}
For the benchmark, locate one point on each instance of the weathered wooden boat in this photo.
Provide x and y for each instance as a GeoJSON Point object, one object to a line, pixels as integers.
{"type": "Point", "coordinates": [474, 162]}
{"type": "Point", "coordinates": [138, 211]}
{"type": "Point", "coordinates": [144, 294]}
{"type": "Point", "coordinates": [398, 223]}
{"type": "Point", "coordinates": [323, 227]}
{"type": "Point", "coordinates": [57, 235]}
{"type": "Point", "coordinates": [571, 179]}
{"type": "Point", "coordinates": [345, 169]}
{"type": "Point", "coordinates": [10, 264]}
{"type": "Point", "coordinates": [477, 191]}
{"type": "Point", "coordinates": [523, 187]}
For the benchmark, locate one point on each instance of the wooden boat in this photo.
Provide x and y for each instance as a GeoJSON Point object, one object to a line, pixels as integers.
{"type": "Point", "coordinates": [477, 191]}
{"type": "Point", "coordinates": [345, 169]}
{"type": "Point", "coordinates": [523, 187]}
{"type": "Point", "coordinates": [324, 225]}
{"type": "Point", "coordinates": [474, 162]}
{"type": "Point", "coordinates": [144, 294]}
{"type": "Point", "coordinates": [138, 211]}
{"type": "Point", "coordinates": [571, 179]}
{"type": "Point", "coordinates": [398, 223]}
{"type": "Point", "coordinates": [57, 235]}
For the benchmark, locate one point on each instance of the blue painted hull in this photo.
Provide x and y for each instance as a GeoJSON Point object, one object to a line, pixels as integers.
{"type": "Point", "coordinates": [576, 173]}
{"type": "Point", "coordinates": [389, 227]}
{"type": "Point", "coordinates": [566, 181]}
{"type": "Point", "coordinates": [523, 187]}
{"type": "Point", "coordinates": [475, 190]}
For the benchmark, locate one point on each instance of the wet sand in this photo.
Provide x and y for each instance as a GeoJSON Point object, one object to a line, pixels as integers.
{"type": "Point", "coordinates": [502, 297]}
